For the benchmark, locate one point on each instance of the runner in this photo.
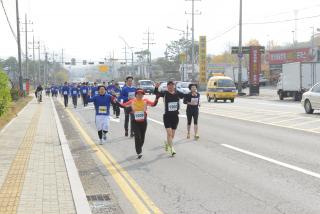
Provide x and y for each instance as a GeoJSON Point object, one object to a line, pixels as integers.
{"type": "Point", "coordinates": [84, 90]}
{"type": "Point", "coordinates": [117, 92]}
{"type": "Point", "coordinates": [128, 93]}
{"type": "Point", "coordinates": [193, 102]}
{"type": "Point", "coordinates": [138, 107]}
{"type": "Point", "coordinates": [47, 91]}
{"type": "Point", "coordinates": [65, 90]}
{"type": "Point", "coordinates": [39, 92]}
{"type": "Point", "coordinates": [171, 116]}
{"type": "Point", "coordinates": [94, 90]}
{"type": "Point", "coordinates": [75, 94]}
{"type": "Point", "coordinates": [102, 106]}
{"type": "Point", "coordinates": [111, 90]}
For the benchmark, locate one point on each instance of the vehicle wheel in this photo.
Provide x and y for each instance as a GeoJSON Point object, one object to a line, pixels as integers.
{"type": "Point", "coordinates": [209, 99]}
{"type": "Point", "coordinates": [280, 95]}
{"type": "Point", "coordinates": [224, 100]}
{"type": "Point", "coordinates": [232, 100]}
{"type": "Point", "coordinates": [215, 99]}
{"type": "Point", "coordinates": [308, 107]}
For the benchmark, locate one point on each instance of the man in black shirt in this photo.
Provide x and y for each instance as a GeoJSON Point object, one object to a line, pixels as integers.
{"type": "Point", "coordinates": [171, 116]}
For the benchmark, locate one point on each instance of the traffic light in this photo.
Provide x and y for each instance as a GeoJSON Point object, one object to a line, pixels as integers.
{"type": "Point", "coordinates": [84, 62]}
{"type": "Point", "coordinates": [67, 63]}
{"type": "Point", "coordinates": [91, 63]}
{"type": "Point", "coordinates": [101, 63]}
{"type": "Point", "coordinates": [73, 61]}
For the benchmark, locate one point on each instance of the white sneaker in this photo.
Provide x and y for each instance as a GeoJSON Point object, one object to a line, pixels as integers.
{"type": "Point", "coordinates": [101, 142]}
{"type": "Point", "coordinates": [104, 136]}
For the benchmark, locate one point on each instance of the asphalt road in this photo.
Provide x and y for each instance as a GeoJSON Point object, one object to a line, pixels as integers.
{"type": "Point", "coordinates": [253, 156]}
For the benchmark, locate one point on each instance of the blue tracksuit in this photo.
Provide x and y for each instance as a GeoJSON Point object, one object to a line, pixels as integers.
{"type": "Point", "coordinates": [127, 93]}
{"type": "Point", "coordinates": [74, 91]}
{"type": "Point", "coordinates": [94, 91]}
{"type": "Point", "coordinates": [101, 104]}
{"type": "Point", "coordinates": [65, 90]}
{"type": "Point", "coordinates": [84, 90]}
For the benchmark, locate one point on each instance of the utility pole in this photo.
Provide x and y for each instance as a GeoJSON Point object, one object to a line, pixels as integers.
{"type": "Point", "coordinates": [149, 42]}
{"type": "Point", "coordinates": [19, 47]}
{"type": "Point", "coordinates": [62, 59]}
{"type": "Point", "coordinates": [193, 51]}
{"type": "Point", "coordinates": [26, 35]}
{"type": "Point", "coordinates": [240, 54]}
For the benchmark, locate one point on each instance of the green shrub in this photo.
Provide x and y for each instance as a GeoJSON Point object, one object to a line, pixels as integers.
{"type": "Point", "coordinates": [5, 96]}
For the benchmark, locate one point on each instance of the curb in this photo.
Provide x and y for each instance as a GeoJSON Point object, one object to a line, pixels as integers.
{"type": "Point", "coordinates": [78, 193]}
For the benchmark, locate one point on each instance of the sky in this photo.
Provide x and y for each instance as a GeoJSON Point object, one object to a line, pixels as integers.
{"type": "Point", "coordinates": [91, 30]}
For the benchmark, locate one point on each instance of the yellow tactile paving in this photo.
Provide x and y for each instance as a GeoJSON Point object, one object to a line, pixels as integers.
{"type": "Point", "coordinates": [11, 188]}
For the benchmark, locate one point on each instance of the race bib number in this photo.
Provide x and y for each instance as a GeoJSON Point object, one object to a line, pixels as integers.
{"type": "Point", "coordinates": [117, 94]}
{"type": "Point", "coordinates": [131, 95]}
{"type": "Point", "coordinates": [139, 115]}
{"type": "Point", "coordinates": [173, 106]}
{"type": "Point", "coordinates": [194, 101]}
{"type": "Point", "coordinates": [65, 93]}
{"type": "Point", "coordinates": [74, 92]}
{"type": "Point", "coordinates": [102, 109]}
{"type": "Point", "coordinates": [84, 91]}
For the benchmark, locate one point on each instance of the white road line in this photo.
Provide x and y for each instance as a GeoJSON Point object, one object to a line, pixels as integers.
{"type": "Point", "coordinates": [183, 115]}
{"type": "Point", "coordinates": [156, 121]}
{"type": "Point", "coordinates": [304, 123]}
{"type": "Point", "coordinates": [289, 166]}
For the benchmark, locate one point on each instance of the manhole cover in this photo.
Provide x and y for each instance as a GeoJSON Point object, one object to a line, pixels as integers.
{"type": "Point", "coordinates": [99, 197]}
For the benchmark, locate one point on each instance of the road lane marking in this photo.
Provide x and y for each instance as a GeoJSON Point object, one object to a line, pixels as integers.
{"type": "Point", "coordinates": [156, 121]}
{"type": "Point", "coordinates": [265, 123]}
{"type": "Point", "coordinates": [304, 123]}
{"type": "Point", "coordinates": [120, 176]}
{"type": "Point", "coordinates": [12, 186]}
{"type": "Point", "coordinates": [289, 166]}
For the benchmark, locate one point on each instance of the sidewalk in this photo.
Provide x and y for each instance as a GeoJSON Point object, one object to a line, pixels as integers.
{"type": "Point", "coordinates": [33, 175]}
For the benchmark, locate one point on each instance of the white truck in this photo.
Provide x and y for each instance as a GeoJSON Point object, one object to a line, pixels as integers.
{"type": "Point", "coordinates": [297, 78]}
{"type": "Point", "coordinates": [233, 72]}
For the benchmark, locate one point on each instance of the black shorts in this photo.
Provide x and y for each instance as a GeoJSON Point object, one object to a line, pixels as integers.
{"type": "Point", "coordinates": [192, 113]}
{"type": "Point", "coordinates": [171, 121]}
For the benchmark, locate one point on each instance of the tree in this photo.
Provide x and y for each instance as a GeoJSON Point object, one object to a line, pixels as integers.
{"type": "Point", "coordinates": [226, 57]}
{"type": "Point", "coordinates": [253, 42]}
{"type": "Point", "coordinates": [175, 48]}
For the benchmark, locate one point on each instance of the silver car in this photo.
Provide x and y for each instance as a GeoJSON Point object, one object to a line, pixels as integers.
{"type": "Point", "coordinates": [311, 99]}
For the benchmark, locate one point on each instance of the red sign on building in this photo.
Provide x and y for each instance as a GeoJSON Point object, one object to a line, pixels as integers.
{"type": "Point", "coordinates": [290, 55]}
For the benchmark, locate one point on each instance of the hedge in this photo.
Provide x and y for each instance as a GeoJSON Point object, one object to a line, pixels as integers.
{"type": "Point", "coordinates": [5, 96]}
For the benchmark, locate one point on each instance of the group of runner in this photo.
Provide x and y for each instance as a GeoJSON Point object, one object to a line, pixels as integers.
{"type": "Point", "coordinates": [135, 106]}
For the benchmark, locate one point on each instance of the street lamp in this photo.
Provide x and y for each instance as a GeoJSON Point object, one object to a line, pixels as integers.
{"type": "Point", "coordinates": [293, 40]}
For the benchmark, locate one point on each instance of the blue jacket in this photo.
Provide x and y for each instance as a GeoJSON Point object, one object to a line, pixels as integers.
{"type": "Point", "coordinates": [65, 90]}
{"type": "Point", "coordinates": [111, 88]}
{"type": "Point", "coordinates": [84, 90]}
{"type": "Point", "coordinates": [74, 91]}
{"type": "Point", "coordinates": [128, 93]}
{"type": "Point", "coordinates": [101, 104]}
{"type": "Point", "coordinates": [94, 91]}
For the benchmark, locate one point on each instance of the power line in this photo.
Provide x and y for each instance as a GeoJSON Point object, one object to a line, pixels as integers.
{"type": "Point", "coordinates": [222, 34]}
{"type": "Point", "coordinates": [281, 21]}
{"type": "Point", "coordinates": [261, 23]}
{"type": "Point", "coordinates": [5, 12]}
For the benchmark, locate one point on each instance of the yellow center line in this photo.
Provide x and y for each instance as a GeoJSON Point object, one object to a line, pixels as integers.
{"type": "Point", "coordinates": [121, 177]}
{"type": "Point", "coordinates": [11, 188]}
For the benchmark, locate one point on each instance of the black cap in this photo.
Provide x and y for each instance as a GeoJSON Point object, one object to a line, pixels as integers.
{"type": "Point", "coordinates": [170, 82]}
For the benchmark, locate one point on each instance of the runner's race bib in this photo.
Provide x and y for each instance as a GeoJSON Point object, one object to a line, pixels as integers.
{"type": "Point", "coordinates": [131, 95]}
{"type": "Point", "coordinates": [117, 94]}
{"type": "Point", "coordinates": [194, 101]}
{"type": "Point", "coordinates": [173, 106]}
{"type": "Point", "coordinates": [65, 93]}
{"type": "Point", "coordinates": [139, 115]}
{"type": "Point", "coordinates": [84, 91]}
{"type": "Point", "coordinates": [74, 92]}
{"type": "Point", "coordinates": [102, 109]}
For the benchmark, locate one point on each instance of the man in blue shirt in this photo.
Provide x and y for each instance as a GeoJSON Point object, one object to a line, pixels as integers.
{"type": "Point", "coordinates": [65, 92]}
{"type": "Point", "coordinates": [84, 90]}
{"type": "Point", "coordinates": [74, 95]}
{"type": "Point", "coordinates": [94, 90]}
{"type": "Point", "coordinates": [102, 104]}
{"type": "Point", "coordinates": [128, 92]}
